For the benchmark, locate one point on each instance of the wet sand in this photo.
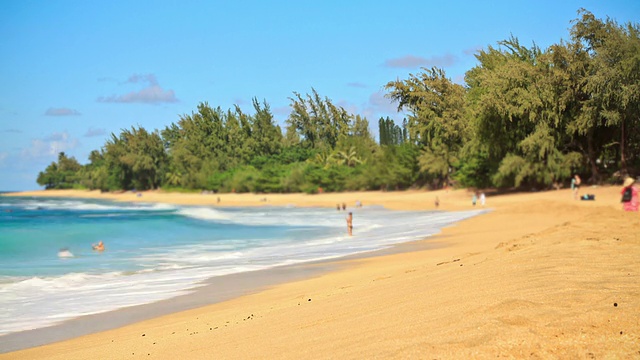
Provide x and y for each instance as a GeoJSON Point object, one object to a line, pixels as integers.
{"type": "Point", "coordinates": [540, 276]}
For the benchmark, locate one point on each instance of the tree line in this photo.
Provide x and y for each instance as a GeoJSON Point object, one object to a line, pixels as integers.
{"type": "Point", "coordinates": [526, 117]}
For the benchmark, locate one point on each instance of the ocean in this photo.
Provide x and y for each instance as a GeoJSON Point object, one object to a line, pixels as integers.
{"type": "Point", "coordinates": [49, 272]}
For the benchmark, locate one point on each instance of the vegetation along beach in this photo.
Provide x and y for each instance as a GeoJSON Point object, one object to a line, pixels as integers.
{"type": "Point", "coordinates": [488, 222]}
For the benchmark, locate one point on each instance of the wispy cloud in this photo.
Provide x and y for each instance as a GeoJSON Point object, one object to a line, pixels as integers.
{"type": "Point", "coordinates": [281, 110]}
{"type": "Point", "coordinates": [357, 84]}
{"type": "Point", "coordinates": [142, 78]}
{"type": "Point", "coordinates": [61, 112]}
{"type": "Point", "coordinates": [3, 157]}
{"type": "Point", "coordinates": [459, 80]}
{"type": "Point", "coordinates": [49, 146]}
{"type": "Point", "coordinates": [380, 103]}
{"type": "Point", "coordinates": [153, 93]}
{"type": "Point", "coordinates": [14, 131]}
{"type": "Point", "coordinates": [92, 132]}
{"type": "Point", "coordinates": [412, 62]}
{"type": "Point", "coordinates": [472, 50]}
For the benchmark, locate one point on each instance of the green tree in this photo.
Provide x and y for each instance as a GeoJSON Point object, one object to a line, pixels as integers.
{"type": "Point", "coordinates": [437, 122]}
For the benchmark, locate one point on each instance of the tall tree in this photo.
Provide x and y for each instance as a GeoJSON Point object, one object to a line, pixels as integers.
{"type": "Point", "coordinates": [437, 122]}
{"type": "Point", "coordinates": [613, 82]}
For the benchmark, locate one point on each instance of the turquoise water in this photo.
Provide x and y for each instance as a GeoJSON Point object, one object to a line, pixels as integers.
{"type": "Point", "coordinates": [49, 272]}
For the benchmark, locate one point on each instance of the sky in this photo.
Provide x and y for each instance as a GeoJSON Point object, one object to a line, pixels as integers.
{"type": "Point", "coordinates": [74, 72]}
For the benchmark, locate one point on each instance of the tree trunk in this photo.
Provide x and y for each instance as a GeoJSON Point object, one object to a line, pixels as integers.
{"type": "Point", "coordinates": [623, 158]}
{"type": "Point", "coordinates": [591, 154]}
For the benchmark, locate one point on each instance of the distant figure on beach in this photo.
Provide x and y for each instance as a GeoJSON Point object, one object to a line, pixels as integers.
{"type": "Point", "coordinates": [99, 246]}
{"type": "Point", "coordinates": [358, 204]}
{"type": "Point", "coordinates": [575, 186]}
{"type": "Point", "coordinates": [483, 199]}
{"type": "Point", "coordinates": [218, 199]}
{"type": "Point", "coordinates": [338, 207]}
{"type": "Point", "coordinates": [437, 202]}
{"type": "Point", "coordinates": [344, 206]}
{"type": "Point", "coordinates": [350, 224]}
{"type": "Point", "coordinates": [630, 201]}
{"type": "Point", "coordinates": [474, 199]}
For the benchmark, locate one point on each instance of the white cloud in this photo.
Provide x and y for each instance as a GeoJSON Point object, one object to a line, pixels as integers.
{"type": "Point", "coordinates": [61, 112]}
{"type": "Point", "coordinates": [153, 93]}
{"type": "Point", "coordinates": [150, 95]}
{"type": "Point", "coordinates": [411, 62]}
{"type": "Point", "coordinates": [49, 146]}
{"type": "Point", "coordinates": [95, 132]}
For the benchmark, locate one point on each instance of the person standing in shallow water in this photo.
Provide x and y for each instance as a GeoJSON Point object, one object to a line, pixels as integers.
{"type": "Point", "coordinates": [350, 224]}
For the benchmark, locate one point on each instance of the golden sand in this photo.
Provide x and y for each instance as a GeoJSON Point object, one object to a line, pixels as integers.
{"type": "Point", "coordinates": [542, 276]}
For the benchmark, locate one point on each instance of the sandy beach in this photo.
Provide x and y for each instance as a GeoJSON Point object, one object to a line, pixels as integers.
{"type": "Point", "coordinates": [541, 276]}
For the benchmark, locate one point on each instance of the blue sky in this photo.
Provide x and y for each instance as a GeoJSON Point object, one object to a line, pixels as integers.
{"type": "Point", "coordinates": [73, 72]}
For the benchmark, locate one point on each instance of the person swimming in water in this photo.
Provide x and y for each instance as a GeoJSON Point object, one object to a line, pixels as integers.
{"type": "Point", "coordinates": [350, 224]}
{"type": "Point", "coordinates": [99, 246]}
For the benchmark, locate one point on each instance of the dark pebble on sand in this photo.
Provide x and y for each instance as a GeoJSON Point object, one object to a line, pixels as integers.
{"type": "Point", "coordinates": [615, 304]}
{"type": "Point", "coordinates": [143, 334]}
{"type": "Point", "coordinates": [309, 299]}
{"type": "Point", "coordinates": [620, 332]}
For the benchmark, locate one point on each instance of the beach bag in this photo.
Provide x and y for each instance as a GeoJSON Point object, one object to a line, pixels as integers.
{"type": "Point", "coordinates": [627, 194]}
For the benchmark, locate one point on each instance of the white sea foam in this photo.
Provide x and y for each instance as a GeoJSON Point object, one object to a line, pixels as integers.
{"type": "Point", "coordinates": [161, 272]}
{"type": "Point", "coordinates": [204, 213]}
{"type": "Point", "coordinates": [89, 206]}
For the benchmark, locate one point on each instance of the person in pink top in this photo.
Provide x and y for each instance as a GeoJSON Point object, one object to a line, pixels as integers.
{"type": "Point", "coordinates": [630, 203]}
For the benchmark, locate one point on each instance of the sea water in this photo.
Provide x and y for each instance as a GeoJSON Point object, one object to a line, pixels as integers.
{"type": "Point", "coordinates": [49, 272]}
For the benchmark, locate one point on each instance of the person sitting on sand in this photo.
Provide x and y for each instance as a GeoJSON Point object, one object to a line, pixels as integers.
{"type": "Point", "coordinates": [350, 224]}
{"type": "Point", "coordinates": [99, 246]}
{"type": "Point", "coordinates": [633, 202]}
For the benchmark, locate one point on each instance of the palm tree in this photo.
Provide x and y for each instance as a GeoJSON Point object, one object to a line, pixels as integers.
{"type": "Point", "coordinates": [349, 157]}
{"type": "Point", "coordinates": [324, 159]}
{"type": "Point", "coordinates": [174, 178]}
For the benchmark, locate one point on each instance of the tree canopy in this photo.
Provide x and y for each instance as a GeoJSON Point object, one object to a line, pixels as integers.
{"type": "Point", "coordinates": [525, 117]}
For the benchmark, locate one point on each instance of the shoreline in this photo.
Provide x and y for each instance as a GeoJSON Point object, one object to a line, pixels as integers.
{"type": "Point", "coordinates": [536, 277]}
{"type": "Point", "coordinates": [213, 290]}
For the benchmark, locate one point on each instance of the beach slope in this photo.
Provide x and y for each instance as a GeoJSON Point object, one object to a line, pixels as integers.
{"type": "Point", "coordinates": [540, 276]}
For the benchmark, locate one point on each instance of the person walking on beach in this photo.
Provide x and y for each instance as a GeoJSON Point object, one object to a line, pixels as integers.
{"type": "Point", "coordinates": [482, 199]}
{"type": "Point", "coordinates": [630, 201]}
{"type": "Point", "coordinates": [474, 199]}
{"type": "Point", "coordinates": [575, 186]}
{"type": "Point", "coordinates": [437, 203]}
{"type": "Point", "coordinates": [350, 224]}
